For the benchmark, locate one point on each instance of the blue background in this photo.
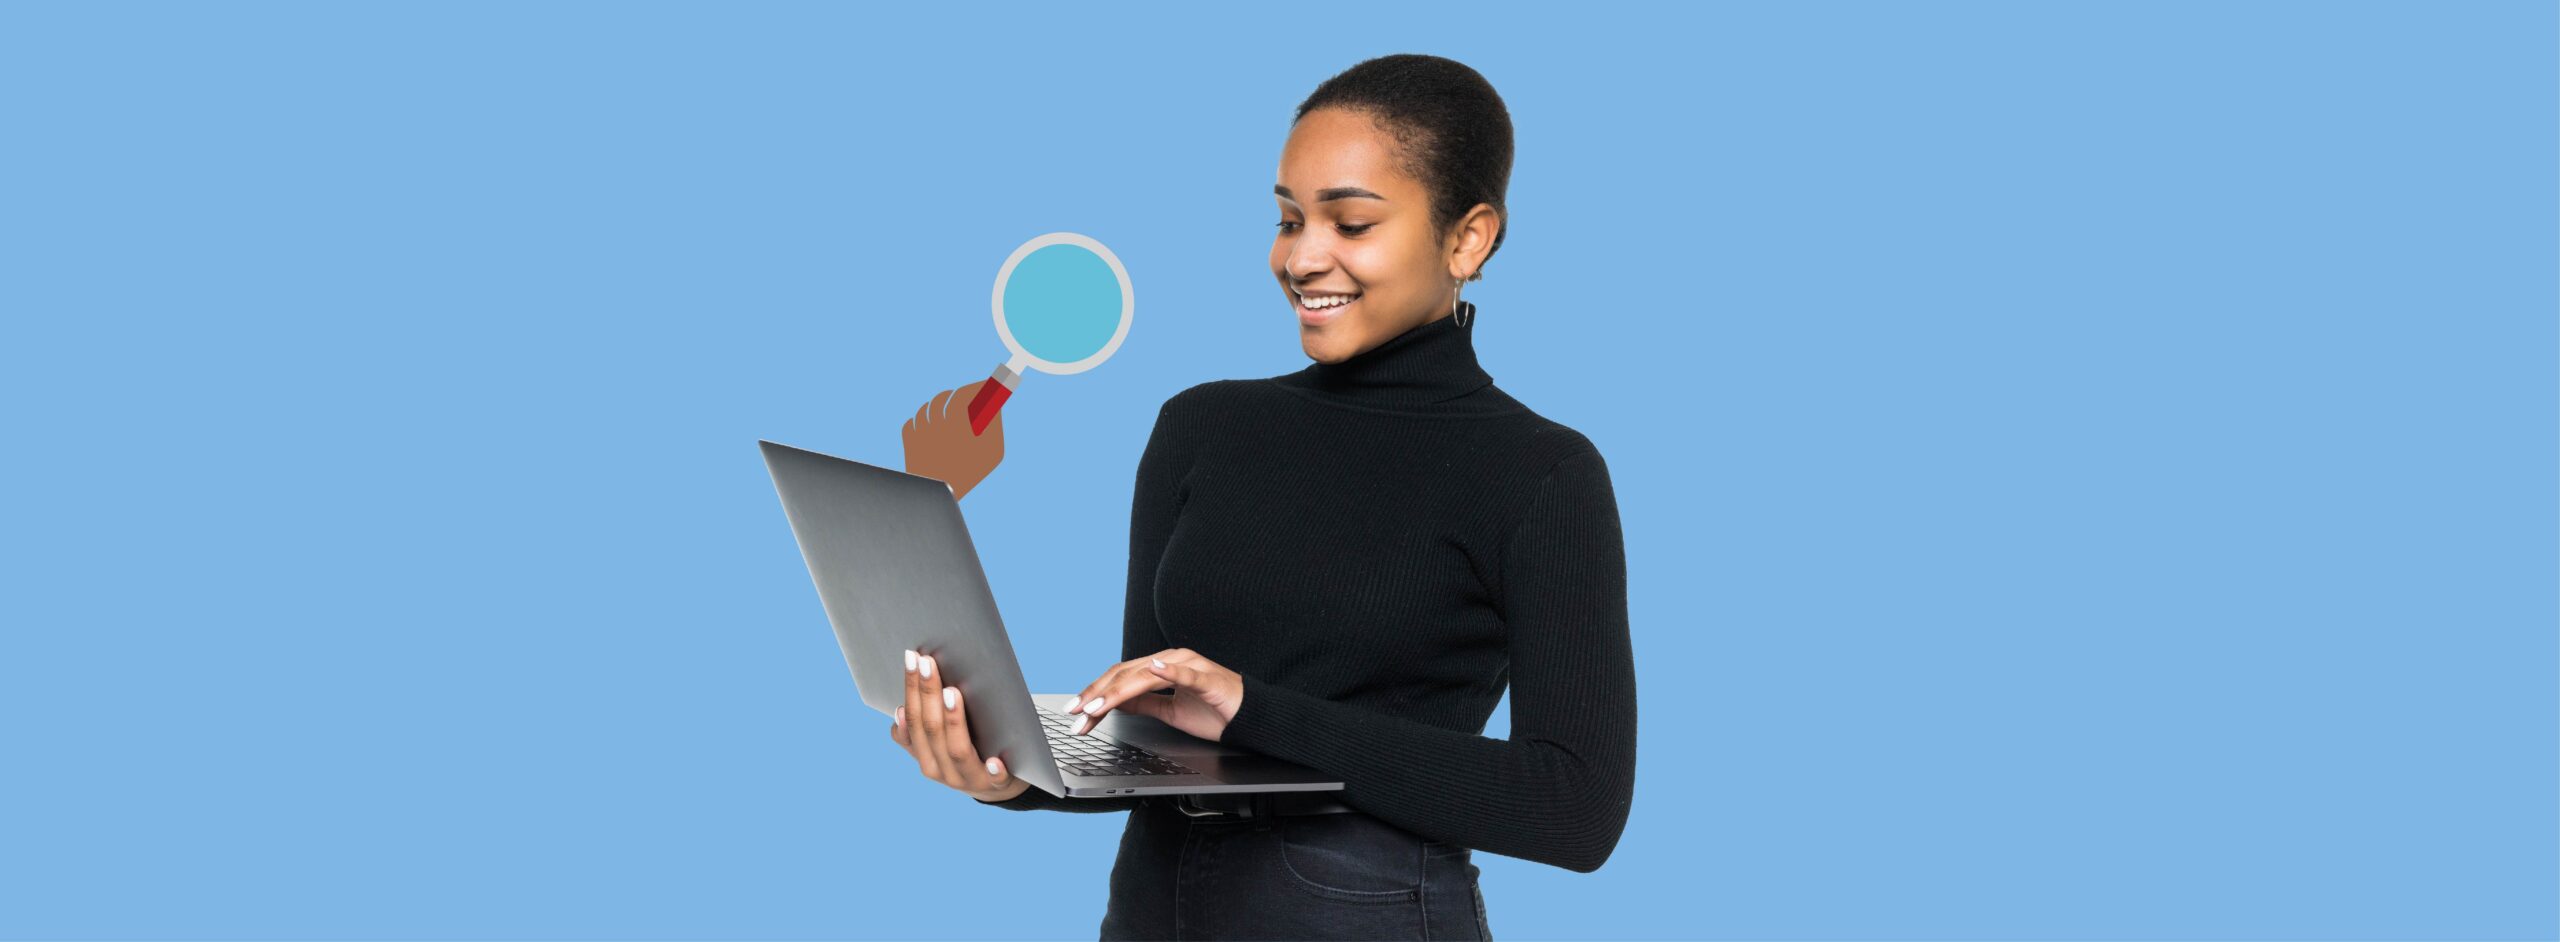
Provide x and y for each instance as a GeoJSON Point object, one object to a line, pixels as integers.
{"type": "Point", "coordinates": [2087, 470]}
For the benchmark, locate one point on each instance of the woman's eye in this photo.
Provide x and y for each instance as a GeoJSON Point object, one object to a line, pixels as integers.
{"type": "Point", "coordinates": [1348, 230]}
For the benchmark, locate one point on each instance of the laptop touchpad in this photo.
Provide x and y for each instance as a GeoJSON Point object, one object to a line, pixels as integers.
{"type": "Point", "coordinates": [1151, 734]}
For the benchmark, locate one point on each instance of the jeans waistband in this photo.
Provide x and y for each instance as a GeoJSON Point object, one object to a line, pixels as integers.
{"type": "Point", "coordinates": [1260, 804]}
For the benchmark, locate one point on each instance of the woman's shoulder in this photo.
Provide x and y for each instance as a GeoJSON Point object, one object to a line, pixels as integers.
{"type": "Point", "coordinates": [1201, 401]}
{"type": "Point", "coordinates": [1550, 447]}
{"type": "Point", "coordinates": [1208, 394]}
{"type": "Point", "coordinates": [1537, 440]}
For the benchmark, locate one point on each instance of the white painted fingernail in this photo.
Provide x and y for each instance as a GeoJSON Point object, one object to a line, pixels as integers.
{"type": "Point", "coordinates": [950, 698]}
{"type": "Point", "coordinates": [1074, 708]}
{"type": "Point", "coordinates": [1159, 662]}
{"type": "Point", "coordinates": [1089, 708]}
{"type": "Point", "coordinates": [992, 769]}
{"type": "Point", "coordinates": [924, 666]}
{"type": "Point", "coordinates": [1082, 723]}
{"type": "Point", "coordinates": [911, 660]}
{"type": "Point", "coordinates": [901, 716]}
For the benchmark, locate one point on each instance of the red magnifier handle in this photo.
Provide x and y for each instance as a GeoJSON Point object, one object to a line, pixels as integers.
{"type": "Point", "coordinates": [990, 398]}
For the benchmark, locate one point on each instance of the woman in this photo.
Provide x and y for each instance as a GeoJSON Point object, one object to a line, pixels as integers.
{"type": "Point", "coordinates": [1345, 565]}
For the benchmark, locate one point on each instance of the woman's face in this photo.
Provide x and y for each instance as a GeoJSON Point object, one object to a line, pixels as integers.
{"type": "Point", "coordinates": [1354, 225]}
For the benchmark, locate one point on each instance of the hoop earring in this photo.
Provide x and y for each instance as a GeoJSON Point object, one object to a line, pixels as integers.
{"type": "Point", "coordinates": [1455, 311]}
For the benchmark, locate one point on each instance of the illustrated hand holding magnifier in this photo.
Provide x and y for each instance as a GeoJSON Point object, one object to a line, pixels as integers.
{"type": "Point", "coordinates": [1062, 305]}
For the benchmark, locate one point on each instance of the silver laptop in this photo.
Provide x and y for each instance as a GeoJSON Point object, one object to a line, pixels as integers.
{"type": "Point", "coordinates": [896, 571]}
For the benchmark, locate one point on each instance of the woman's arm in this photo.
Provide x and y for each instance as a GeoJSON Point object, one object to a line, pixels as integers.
{"type": "Point", "coordinates": [1558, 791]}
{"type": "Point", "coordinates": [1151, 516]}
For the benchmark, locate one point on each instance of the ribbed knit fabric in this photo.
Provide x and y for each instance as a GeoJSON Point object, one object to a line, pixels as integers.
{"type": "Point", "coordinates": [1379, 546]}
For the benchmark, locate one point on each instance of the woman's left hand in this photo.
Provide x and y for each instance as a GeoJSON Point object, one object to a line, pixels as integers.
{"type": "Point", "coordinates": [1205, 695]}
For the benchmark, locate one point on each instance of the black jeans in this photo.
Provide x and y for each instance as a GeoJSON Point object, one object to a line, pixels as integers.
{"type": "Point", "coordinates": [1321, 876]}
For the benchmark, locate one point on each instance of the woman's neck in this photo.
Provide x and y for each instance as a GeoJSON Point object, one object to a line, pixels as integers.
{"type": "Point", "coordinates": [1431, 365]}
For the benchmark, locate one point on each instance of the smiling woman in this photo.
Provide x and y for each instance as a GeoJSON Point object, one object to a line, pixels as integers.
{"type": "Point", "coordinates": [1347, 565]}
{"type": "Point", "coordinates": [1404, 165]}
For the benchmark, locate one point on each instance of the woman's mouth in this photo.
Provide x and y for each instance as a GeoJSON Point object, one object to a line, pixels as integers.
{"type": "Point", "coordinates": [1317, 310]}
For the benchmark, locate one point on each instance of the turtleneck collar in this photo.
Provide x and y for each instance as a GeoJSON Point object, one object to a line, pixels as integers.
{"type": "Point", "coordinates": [1431, 364]}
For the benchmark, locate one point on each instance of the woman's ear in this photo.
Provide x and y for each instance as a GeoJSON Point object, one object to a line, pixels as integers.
{"type": "Point", "coordinates": [1473, 241]}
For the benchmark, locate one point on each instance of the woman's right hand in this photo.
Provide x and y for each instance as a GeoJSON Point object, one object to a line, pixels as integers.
{"type": "Point", "coordinates": [933, 727]}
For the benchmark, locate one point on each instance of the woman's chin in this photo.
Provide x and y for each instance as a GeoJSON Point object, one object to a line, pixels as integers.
{"type": "Point", "coordinates": [1326, 344]}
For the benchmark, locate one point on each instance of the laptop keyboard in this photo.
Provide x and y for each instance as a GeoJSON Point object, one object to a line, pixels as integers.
{"type": "Point", "coordinates": [1093, 755]}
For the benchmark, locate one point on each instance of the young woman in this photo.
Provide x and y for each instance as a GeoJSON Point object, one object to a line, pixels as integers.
{"type": "Point", "coordinates": [1344, 566]}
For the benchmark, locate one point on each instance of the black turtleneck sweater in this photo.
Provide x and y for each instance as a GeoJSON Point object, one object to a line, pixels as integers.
{"type": "Point", "coordinates": [1379, 546]}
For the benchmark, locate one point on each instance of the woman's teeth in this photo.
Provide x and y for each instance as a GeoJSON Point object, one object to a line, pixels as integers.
{"type": "Point", "coordinates": [1320, 303]}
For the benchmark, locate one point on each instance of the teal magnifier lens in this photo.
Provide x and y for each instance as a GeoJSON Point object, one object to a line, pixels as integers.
{"type": "Point", "coordinates": [1062, 305]}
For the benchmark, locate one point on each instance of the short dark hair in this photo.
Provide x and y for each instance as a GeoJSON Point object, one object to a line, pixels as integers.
{"type": "Point", "coordinates": [1452, 129]}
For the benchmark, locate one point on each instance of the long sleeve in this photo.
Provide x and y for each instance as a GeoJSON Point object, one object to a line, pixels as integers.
{"type": "Point", "coordinates": [1559, 790]}
{"type": "Point", "coordinates": [1151, 515]}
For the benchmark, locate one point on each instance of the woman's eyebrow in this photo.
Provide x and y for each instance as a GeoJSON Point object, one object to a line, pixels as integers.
{"type": "Point", "coordinates": [1330, 193]}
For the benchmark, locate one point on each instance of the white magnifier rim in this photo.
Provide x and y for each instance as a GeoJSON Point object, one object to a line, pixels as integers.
{"type": "Point", "coordinates": [1128, 304]}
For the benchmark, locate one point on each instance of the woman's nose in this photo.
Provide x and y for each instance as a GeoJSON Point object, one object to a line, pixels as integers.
{"type": "Point", "coordinates": [1304, 263]}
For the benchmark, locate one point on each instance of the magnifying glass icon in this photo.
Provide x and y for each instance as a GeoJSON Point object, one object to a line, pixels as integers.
{"type": "Point", "coordinates": [1069, 304]}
